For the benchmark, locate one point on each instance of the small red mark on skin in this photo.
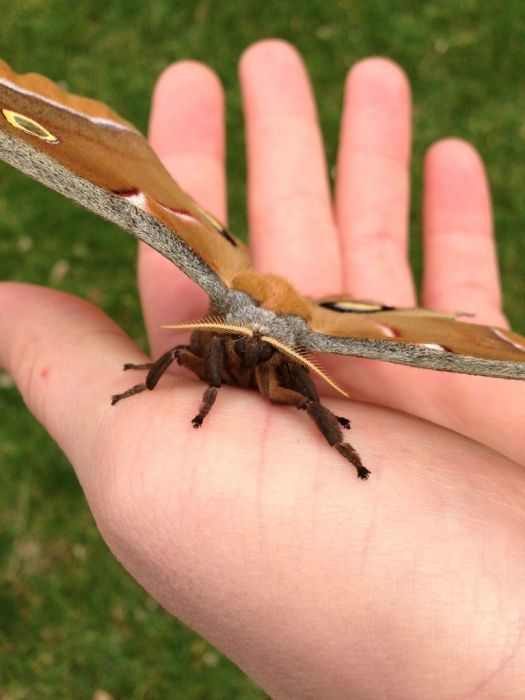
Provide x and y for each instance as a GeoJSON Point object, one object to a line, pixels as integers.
{"type": "Point", "coordinates": [44, 372]}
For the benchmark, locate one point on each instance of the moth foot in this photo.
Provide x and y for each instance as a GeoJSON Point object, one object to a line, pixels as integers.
{"type": "Point", "coordinates": [348, 452]}
{"type": "Point", "coordinates": [137, 389]}
{"type": "Point", "coordinates": [345, 423]}
{"type": "Point", "coordinates": [197, 421]}
{"type": "Point", "coordinates": [363, 473]}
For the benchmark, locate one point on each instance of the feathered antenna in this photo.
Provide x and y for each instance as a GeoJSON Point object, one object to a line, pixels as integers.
{"type": "Point", "coordinates": [304, 360]}
{"type": "Point", "coordinates": [211, 323]}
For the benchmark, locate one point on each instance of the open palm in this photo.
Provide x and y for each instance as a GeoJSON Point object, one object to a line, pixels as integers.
{"type": "Point", "coordinates": [252, 530]}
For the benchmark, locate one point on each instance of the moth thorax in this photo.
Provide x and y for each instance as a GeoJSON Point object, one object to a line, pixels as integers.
{"type": "Point", "coordinates": [273, 292]}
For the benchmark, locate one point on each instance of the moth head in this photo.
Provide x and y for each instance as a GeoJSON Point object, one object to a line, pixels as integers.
{"type": "Point", "coordinates": [252, 350]}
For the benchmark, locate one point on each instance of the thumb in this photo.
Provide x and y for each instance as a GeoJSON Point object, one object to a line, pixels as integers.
{"type": "Point", "coordinates": [64, 355]}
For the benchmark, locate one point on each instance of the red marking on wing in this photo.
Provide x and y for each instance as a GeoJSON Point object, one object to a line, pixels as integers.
{"type": "Point", "coordinates": [44, 372]}
{"type": "Point", "coordinates": [135, 196]}
{"type": "Point", "coordinates": [389, 331]}
{"type": "Point", "coordinates": [127, 193]}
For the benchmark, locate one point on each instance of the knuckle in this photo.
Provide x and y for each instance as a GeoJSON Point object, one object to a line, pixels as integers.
{"type": "Point", "coordinates": [475, 289]}
{"type": "Point", "coordinates": [380, 242]}
{"type": "Point", "coordinates": [302, 204]}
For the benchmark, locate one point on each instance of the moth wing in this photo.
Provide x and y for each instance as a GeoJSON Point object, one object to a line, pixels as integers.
{"type": "Point", "coordinates": [82, 149]}
{"type": "Point", "coordinates": [417, 337]}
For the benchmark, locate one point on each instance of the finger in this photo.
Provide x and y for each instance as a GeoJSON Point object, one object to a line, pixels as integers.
{"type": "Point", "coordinates": [187, 133]}
{"type": "Point", "coordinates": [460, 272]}
{"type": "Point", "coordinates": [290, 213]}
{"type": "Point", "coordinates": [65, 357]}
{"type": "Point", "coordinates": [372, 185]}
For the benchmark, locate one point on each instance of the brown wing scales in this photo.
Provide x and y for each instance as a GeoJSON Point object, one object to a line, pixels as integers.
{"type": "Point", "coordinates": [416, 326]}
{"type": "Point", "coordinates": [102, 148]}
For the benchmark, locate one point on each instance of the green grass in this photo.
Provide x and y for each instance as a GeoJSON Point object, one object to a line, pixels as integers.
{"type": "Point", "coordinates": [71, 620]}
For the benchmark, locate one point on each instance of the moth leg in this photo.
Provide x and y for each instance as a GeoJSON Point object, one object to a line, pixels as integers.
{"type": "Point", "coordinates": [208, 399]}
{"type": "Point", "coordinates": [299, 380]}
{"type": "Point", "coordinates": [160, 366]}
{"type": "Point", "coordinates": [212, 371]}
{"type": "Point", "coordinates": [296, 377]}
{"type": "Point", "coordinates": [330, 427]}
{"type": "Point", "coordinates": [137, 389]}
{"type": "Point", "coordinates": [156, 370]}
{"type": "Point", "coordinates": [195, 363]}
{"type": "Point", "coordinates": [327, 423]}
{"type": "Point", "coordinates": [130, 365]}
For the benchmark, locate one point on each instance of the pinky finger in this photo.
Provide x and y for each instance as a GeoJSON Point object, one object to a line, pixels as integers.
{"type": "Point", "coordinates": [461, 270]}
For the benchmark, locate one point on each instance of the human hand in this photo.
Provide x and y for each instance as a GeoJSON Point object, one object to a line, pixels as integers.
{"type": "Point", "coordinates": [358, 243]}
{"type": "Point", "coordinates": [252, 530]}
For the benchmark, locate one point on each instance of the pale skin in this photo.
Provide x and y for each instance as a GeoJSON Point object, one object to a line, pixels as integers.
{"type": "Point", "coordinates": [252, 530]}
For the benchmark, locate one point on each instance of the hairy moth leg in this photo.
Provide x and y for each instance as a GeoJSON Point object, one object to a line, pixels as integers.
{"type": "Point", "coordinates": [144, 365]}
{"type": "Point", "coordinates": [156, 370]}
{"type": "Point", "coordinates": [208, 399]}
{"type": "Point", "coordinates": [296, 377]}
{"type": "Point", "coordinates": [210, 369]}
{"type": "Point", "coordinates": [199, 366]}
{"type": "Point", "coordinates": [324, 419]}
{"type": "Point", "coordinates": [271, 386]}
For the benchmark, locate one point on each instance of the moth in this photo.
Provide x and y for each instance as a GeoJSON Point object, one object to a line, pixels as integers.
{"type": "Point", "coordinates": [260, 331]}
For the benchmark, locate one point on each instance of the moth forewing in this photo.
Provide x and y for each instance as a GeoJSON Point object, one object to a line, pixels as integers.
{"type": "Point", "coordinates": [86, 152]}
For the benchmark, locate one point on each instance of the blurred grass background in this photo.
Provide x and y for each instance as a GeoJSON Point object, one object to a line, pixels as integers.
{"type": "Point", "coordinates": [73, 624]}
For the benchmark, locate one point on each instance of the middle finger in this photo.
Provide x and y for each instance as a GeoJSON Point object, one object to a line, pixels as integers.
{"type": "Point", "coordinates": [291, 220]}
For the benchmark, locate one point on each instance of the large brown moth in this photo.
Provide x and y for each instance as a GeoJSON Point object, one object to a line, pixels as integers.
{"type": "Point", "coordinates": [260, 331]}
